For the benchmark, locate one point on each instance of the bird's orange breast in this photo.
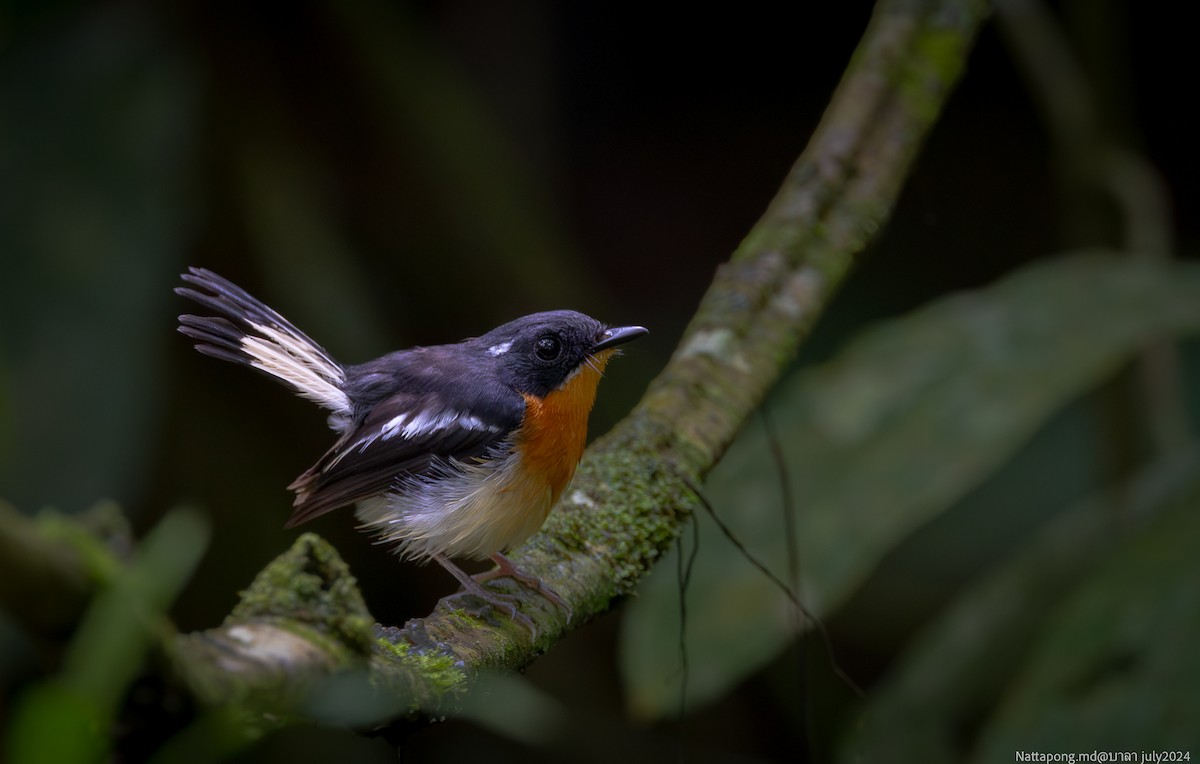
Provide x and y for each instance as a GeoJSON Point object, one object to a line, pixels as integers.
{"type": "Point", "coordinates": [554, 433]}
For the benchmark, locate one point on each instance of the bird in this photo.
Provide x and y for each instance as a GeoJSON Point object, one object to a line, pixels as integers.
{"type": "Point", "coordinates": [455, 451]}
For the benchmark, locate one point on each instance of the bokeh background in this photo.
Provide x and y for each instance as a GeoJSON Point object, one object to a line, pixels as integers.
{"type": "Point", "coordinates": [396, 173]}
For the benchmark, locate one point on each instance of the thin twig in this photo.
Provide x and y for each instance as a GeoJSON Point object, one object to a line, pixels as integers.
{"type": "Point", "coordinates": [817, 623]}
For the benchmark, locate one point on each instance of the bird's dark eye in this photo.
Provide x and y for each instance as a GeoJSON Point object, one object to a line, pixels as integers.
{"type": "Point", "coordinates": [548, 347]}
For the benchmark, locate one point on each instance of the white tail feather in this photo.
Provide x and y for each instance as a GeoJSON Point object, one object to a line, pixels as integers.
{"type": "Point", "coordinates": [295, 361]}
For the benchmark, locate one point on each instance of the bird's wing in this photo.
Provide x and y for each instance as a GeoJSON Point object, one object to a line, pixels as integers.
{"type": "Point", "coordinates": [403, 434]}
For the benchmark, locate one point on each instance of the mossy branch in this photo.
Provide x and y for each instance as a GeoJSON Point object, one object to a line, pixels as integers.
{"type": "Point", "coordinates": [303, 620]}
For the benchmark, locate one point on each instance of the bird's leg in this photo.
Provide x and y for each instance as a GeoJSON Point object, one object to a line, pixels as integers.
{"type": "Point", "coordinates": [506, 569]}
{"type": "Point", "coordinates": [495, 599]}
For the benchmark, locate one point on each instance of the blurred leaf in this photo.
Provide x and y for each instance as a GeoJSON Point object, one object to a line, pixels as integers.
{"type": "Point", "coordinates": [51, 564]}
{"type": "Point", "coordinates": [106, 652]}
{"type": "Point", "coordinates": [349, 699]}
{"type": "Point", "coordinates": [955, 671]}
{"type": "Point", "coordinates": [903, 423]}
{"type": "Point", "coordinates": [53, 724]}
{"type": "Point", "coordinates": [1117, 666]}
{"type": "Point", "coordinates": [98, 122]}
{"type": "Point", "coordinates": [122, 622]}
{"type": "Point", "coordinates": [219, 734]}
{"type": "Point", "coordinates": [513, 707]}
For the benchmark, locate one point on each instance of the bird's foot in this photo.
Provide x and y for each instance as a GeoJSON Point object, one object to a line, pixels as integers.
{"type": "Point", "coordinates": [506, 569]}
{"type": "Point", "coordinates": [498, 600]}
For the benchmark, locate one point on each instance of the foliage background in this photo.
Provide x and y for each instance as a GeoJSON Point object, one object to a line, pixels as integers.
{"type": "Point", "coordinates": [389, 174]}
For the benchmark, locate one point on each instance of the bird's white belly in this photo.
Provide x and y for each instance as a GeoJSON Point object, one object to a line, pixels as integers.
{"type": "Point", "coordinates": [460, 511]}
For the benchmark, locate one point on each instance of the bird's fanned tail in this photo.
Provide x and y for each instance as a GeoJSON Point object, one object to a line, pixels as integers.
{"type": "Point", "coordinates": [246, 331]}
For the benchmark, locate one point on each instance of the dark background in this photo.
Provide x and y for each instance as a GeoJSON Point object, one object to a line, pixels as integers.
{"type": "Point", "coordinates": [390, 174]}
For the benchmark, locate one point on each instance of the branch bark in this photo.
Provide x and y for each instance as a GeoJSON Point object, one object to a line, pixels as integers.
{"type": "Point", "coordinates": [303, 620]}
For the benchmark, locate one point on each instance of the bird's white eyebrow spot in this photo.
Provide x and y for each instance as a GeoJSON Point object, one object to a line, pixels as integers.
{"type": "Point", "coordinates": [500, 349]}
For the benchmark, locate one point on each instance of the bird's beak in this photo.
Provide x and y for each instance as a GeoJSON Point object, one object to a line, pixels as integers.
{"type": "Point", "coordinates": [618, 335]}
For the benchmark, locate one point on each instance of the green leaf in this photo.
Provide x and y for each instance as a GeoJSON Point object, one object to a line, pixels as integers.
{"type": "Point", "coordinates": [893, 431]}
{"type": "Point", "coordinates": [958, 667]}
{"type": "Point", "coordinates": [1117, 667]}
{"type": "Point", "coordinates": [51, 723]}
{"type": "Point", "coordinates": [106, 652]}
